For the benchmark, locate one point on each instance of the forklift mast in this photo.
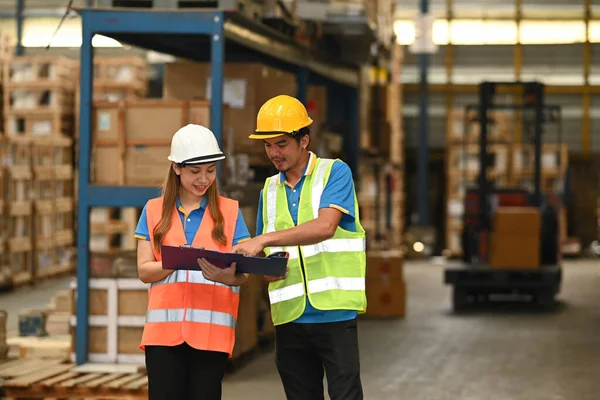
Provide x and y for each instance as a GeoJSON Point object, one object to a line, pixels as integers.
{"type": "Point", "coordinates": [533, 101]}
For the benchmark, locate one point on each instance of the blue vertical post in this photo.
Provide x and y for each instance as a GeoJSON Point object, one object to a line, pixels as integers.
{"type": "Point", "coordinates": [85, 133]}
{"type": "Point", "coordinates": [19, 19]}
{"type": "Point", "coordinates": [302, 85]}
{"type": "Point", "coordinates": [334, 100]}
{"type": "Point", "coordinates": [353, 113]}
{"type": "Point", "coordinates": [423, 156]}
{"type": "Point", "coordinates": [216, 80]}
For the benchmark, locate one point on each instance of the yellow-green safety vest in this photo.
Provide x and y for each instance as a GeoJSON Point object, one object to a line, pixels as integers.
{"type": "Point", "coordinates": [334, 270]}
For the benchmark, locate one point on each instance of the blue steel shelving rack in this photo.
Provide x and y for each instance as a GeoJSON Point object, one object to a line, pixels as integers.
{"type": "Point", "coordinates": [200, 35]}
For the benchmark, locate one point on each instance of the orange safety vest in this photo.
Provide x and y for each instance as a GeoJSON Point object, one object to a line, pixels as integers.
{"type": "Point", "coordinates": [185, 306]}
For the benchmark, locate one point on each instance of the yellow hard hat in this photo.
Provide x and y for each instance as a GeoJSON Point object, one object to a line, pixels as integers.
{"type": "Point", "coordinates": [279, 116]}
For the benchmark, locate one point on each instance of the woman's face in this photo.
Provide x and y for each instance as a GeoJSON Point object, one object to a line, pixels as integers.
{"type": "Point", "coordinates": [196, 179]}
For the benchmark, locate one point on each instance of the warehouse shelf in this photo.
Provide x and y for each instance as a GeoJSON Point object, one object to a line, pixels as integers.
{"type": "Point", "coordinates": [203, 35]}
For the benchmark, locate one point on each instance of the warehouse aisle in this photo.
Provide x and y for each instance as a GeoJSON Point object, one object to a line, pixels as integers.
{"type": "Point", "coordinates": [30, 297]}
{"type": "Point", "coordinates": [434, 355]}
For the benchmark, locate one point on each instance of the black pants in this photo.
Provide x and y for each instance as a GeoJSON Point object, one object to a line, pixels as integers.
{"type": "Point", "coordinates": [305, 351]}
{"type": "Point", "coordinates": [184, 373]}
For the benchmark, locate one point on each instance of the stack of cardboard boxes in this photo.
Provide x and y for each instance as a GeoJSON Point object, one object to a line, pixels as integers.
{"type": "Point", "coordinates": [386, 289]}
{"type": "Point", "coordinates": [246, 86]}
{"type": "Point", "coordinates": [515, 242]}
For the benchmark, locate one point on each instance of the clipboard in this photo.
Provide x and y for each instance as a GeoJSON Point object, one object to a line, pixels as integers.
{"type": "Point", "coordinates": [186, 258]}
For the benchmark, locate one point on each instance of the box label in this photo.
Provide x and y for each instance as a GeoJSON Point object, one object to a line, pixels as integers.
{"type": "Point", "coordinates": [103, 121]}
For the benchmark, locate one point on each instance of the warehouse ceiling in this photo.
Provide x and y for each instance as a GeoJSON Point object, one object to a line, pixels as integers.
{"type": "Point", "coordinates": [406, 8]}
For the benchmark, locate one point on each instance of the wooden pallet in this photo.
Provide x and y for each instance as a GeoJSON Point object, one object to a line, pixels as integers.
{"type": "Point", "coordinates": [55, 379]}
{"type": "Point", "coordinates": [40, 71]}
{"type": "Point", "coordinates": [113, 73]}
{"type": "Point", "coordinates": [112, 229]}
{"type": "Point", "coordinates": [36, 99]}
{"type": "Point", "coordinates": [38, 122]}
{"type": "Point", "coordinates": [17, 151]}
{"type": "Point", "coordinates": [116, 79]}
{"type": "Point", "coordinates": [6, 47]}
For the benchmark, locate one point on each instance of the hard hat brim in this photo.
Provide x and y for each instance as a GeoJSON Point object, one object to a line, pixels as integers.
{"type": "Point", "coordinates": [203, 160]}
{"type": "Point", "coordinates": [270, 135]}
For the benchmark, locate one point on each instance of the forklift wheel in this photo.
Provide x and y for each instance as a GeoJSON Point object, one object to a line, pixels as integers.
{"type": "Point", "coordinates": [460, 299]}
{"type": "Point", "coordinates": [545, 299]}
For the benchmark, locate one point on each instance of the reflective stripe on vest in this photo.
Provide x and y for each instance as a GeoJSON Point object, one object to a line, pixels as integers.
{"type": "Point", "coordinates": [190, 315]}
{"type": "Point", "coordinates": [192, 277]}
{"type": "Point", "coordinates": [185, 306]}
{"type": "Point", "coordinates": [334, 270]}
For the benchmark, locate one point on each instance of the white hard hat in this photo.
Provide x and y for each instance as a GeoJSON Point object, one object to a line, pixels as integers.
{"type": "Point", "coordinates": [194, 144]}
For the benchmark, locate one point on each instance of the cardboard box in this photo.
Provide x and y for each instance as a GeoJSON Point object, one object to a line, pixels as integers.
{"type": "Point", "coordinates": [131, 140]}
{"type": "Point", "coordinates": [385, 265]}
{"type": "Point", "coordinates": [515, 251]}
{"type": "Point", "coordinates": [517, 220]}
{"type": "Point", "coordinates": [246, 87]}
{"type": "Point", "coordinates": [386, 299]}
{"type": "Point", "coordinates": [245, 84]}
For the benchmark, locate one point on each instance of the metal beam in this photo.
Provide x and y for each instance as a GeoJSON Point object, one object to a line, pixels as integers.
{"type": "Point", "coordinates": [120, 196]}
{"type": "Point", "coordinates": [353, 112]}
{"type": "Point", "coordinates": [83, 207]}
{"type": "Point", "coordinates": [108, 22]}
{"type": "Point", "coordinates": [423, 159]}
{"type": "Point", "coordinates": [216, 100]}
{"type": "Point", "coordinates": [126, 26]}
{"type": "Point", "coordinates": [468, 88]}
{"type": "Point", "coordinates": [302, 79]}
{"type": "Point", "coordinates": [290, 54]}
{"type": "Point", "coordinates": [19, 16]}
{"type": "Point", "coordinates": [586, 134]}
{"type": "Point", "coordinates": [518, 65]}
{"type": "Point", "coordinates": [449, 61]}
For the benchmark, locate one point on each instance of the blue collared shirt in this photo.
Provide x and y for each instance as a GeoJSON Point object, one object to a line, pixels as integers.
{"type": "Point", "coordinates": [338, 194]}
{"type": "Point", "coordinates": [191, 223]}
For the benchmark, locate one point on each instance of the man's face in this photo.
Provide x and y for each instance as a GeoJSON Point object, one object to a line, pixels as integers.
{"type": "Point", "coordinates": [284, 152]}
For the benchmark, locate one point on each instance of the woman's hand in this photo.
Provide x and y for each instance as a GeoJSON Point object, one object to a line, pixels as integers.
{"type": "Point", "coordinates": [226, 276]}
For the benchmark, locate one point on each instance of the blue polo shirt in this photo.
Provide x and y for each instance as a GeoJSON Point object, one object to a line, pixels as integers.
{"type": "Point", "coordinates": [191, 223]}
{"type": "Point", "coordinates": [338, 194]}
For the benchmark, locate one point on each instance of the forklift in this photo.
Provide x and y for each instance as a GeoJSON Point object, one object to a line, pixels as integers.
{"type": "Point", "coordinates": [474, 279]}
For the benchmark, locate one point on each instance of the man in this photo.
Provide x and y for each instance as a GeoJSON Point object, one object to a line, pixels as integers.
{"type": "Point", "coordinates": [310, 210]}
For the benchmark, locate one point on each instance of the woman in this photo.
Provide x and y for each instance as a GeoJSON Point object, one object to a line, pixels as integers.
{"type": "Point", "coordinates": [190, 325]}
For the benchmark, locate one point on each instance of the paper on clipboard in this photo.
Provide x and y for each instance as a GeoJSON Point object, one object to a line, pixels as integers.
{"type": "Point", "coordinates": [186, 258]}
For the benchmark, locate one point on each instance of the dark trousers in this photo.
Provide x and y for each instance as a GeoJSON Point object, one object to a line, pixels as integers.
{"type": "Point", "coordinates": [304, 352]}
{"type": "Point", "coordinates": [184, 373]}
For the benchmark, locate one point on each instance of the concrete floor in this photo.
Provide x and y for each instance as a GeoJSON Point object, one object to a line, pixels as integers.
{"type": "Point", "coordinates": [29, 297]}
{"type": "Point", "coordinates": [433, 354]}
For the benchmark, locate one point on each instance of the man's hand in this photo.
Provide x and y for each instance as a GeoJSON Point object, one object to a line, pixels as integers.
{"type": "Point", "coordinates": [226, 276]}
{"type": "Point", "coordinates": [250, 247]}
